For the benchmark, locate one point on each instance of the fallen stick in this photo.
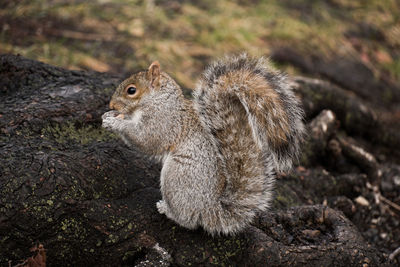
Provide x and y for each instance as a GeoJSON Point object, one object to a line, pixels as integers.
{"type": "Point", "coordinates": [394, 254]}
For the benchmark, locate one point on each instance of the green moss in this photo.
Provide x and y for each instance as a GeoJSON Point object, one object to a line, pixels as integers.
{"type": "Point", "coordinates": [70, 227]}
{"type": "Point", "coordinates": [69, 132]}
{"type": "Point", "coordinates": [285, 201]}
{"type": "Point", "coordinates": [225, 249]}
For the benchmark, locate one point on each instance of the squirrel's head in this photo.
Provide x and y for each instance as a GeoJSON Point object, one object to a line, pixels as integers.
{"type": "Point", "coordinates": [131, 92]}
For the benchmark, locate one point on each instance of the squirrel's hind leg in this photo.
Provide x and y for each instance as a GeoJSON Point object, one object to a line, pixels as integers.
{"type": "Point", "coordinates": [162, 207]}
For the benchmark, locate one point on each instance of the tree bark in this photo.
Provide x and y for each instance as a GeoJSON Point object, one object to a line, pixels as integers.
{"type": "Point", "coordinates": [90, 200]}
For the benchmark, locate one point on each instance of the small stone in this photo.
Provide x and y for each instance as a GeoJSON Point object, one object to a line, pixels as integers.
{"type": "Point", "coordinates": [396, 180]}
{"type": "Point", "coordinates": [362, 201]}
{"type": "Point", "coordinates": [383, 235]}
{"type": "Point", "coordinates": [375, 220]}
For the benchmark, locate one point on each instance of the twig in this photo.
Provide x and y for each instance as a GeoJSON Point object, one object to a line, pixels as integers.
{"type": "Point", "coordinates": [362, 157]}
{"type": "Point", "coordinates": [22, 264]}
{"type": "Point", "coordinates": [322, 126]}
{"type": "Point", "coordinates": [321, 129]}
{"type": "Point", "coordinates": [394, 254]}
{"type": "Point", "coordinates": [390, 203]}
{"type": "Point", "coordinates": [378, 197]}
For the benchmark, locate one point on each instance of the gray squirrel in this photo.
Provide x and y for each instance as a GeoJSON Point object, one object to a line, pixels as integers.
{"type": "Point", "coordinates": [219, 151]}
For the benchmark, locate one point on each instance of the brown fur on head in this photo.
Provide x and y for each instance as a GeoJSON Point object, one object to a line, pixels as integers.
{"type": "Point", "coordinates": [129, 92]}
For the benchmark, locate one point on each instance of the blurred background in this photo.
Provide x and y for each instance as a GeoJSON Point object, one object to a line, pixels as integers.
{"type": "Point", "coordinates": [349, 42]}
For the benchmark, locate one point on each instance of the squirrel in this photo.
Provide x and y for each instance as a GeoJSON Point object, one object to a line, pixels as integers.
{"type": "Point", "coordinates": [221, 150]}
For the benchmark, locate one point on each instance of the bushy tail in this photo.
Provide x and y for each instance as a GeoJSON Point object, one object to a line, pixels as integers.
{"type": "Point", "coordinates": [255, 121]}
{"type": "Point", "coordinates": [240, 90]}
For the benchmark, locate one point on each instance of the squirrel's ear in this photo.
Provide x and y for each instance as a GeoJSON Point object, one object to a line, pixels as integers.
{"type": "Point", "coordinates": [153, 73]}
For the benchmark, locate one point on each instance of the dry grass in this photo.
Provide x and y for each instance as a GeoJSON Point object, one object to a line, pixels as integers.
{"type": "Point", "coordinates": [124, 36]}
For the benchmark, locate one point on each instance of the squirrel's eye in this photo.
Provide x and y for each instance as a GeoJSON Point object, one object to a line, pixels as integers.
{"type": "Point", "coordinates": [131, 90]}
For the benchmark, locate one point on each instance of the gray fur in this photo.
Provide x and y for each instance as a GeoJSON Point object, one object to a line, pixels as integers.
{"type": "Point", "coordinates": [218, 166]}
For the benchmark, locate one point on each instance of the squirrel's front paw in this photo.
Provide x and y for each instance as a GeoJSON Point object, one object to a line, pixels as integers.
{"type": "Point", "coordinates": [110, 122]}
{"type": "Point", "coordinates": [111, 113]}
{"type": "Point", "coordinates": [162, 207]}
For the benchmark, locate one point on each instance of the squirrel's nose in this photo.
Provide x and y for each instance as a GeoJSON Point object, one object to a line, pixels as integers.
{"type": "Point", "coordinates": [112, 103]}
